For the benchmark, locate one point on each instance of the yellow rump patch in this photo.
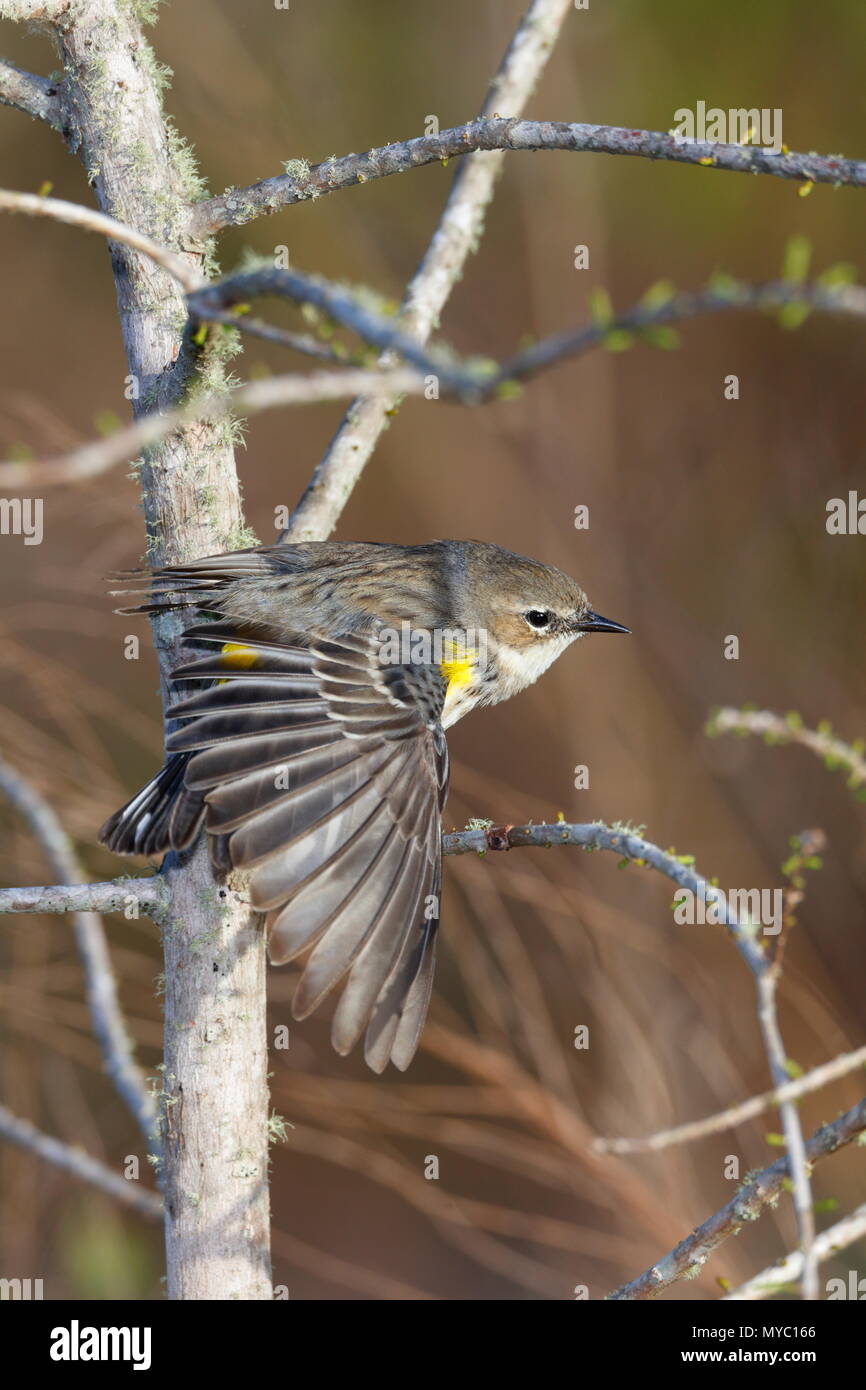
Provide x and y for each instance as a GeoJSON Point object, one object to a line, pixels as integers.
{"type": "Point", "coordinates": [239, 657]}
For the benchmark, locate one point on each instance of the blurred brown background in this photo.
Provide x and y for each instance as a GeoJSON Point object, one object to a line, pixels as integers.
{"type": "Point", "coordinates": [707, 518]}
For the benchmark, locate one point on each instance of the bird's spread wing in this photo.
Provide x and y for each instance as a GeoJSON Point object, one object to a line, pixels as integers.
{"type": "Point", "coordinates": [323, 775]}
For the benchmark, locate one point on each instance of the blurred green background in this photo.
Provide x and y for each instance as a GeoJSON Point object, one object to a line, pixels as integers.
{"type": "Point", "coordinates": [706, 519]}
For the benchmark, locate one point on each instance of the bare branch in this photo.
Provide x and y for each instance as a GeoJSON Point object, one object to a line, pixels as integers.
{"type": "Point", "coordinates": [469, 382]}
{"type": "Point", "coordinates": [793, 1130]}
{"type": "Point", "coordinates": [260, 199]}
{"type": "Point", "coordinates": [466, 383]}
{"type": "Point", "coordinates": [846, 300]}
{"type": "Point", "coordinates": [213, 1244]}
{"type": "Point", "coordinates": [456, 236]}
{"type": "Point", "coordinates": [763, 966]}
{"type": "Point", "coordinates": [620, 839]}
{"type": "Point", "coordinates": [89, 220]}
{"type": "Point", "coordinates": [117, 895]}
{"type": "Point", "coordinates": [629, 845]}
{"type": "Point", "coordinates": [688, 1257]}
{"type": "Point", "coordinates": [80, 1165]}
{"type": "Point", "coordinates": [738, 1114]}
{"type": "Point", "coordinates": [304, 343]}
{"type": "Point", "coordinates": [338, 471]}
{"type": "Point", "coordinates": [778, 1278]}
{"type": "Point", "coordinates": [374, 328]}
{"type": "Point", "coordinates": [625, 842]}
{"type": "Point", "coordinates": [35, 96]}
{"type": "Point", "coordinates": [249, 399]}
{"type": "Point", "coordinates": [109, 1024]}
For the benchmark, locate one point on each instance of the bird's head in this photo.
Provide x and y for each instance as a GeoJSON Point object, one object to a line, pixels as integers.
{"type": "Point", "coordinates": [531, 611]}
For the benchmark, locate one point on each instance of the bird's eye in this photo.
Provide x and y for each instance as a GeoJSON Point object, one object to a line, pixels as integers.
{"type": "Point", "coordinates": [538, 618]}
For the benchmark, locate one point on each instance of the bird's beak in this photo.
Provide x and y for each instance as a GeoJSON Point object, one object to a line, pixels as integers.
{"type": "Point", "coordinates": [594, 622]}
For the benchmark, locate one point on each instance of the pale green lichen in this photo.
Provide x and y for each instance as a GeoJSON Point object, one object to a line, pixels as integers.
{"type": "Point", "coordinates": [184, 160]}
{"type": "Point", "coordinates": [278, 1129]}
{"type": "Point", "coordinates": [241, 537]}
{"type": "Point", "coordinates": [145, 11]}
{"type": "Point", "coordinates": [297, 168]}
{"type": "Point", "coordinates": [159, 73]}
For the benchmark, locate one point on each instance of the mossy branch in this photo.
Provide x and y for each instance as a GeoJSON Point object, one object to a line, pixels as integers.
{"type": "Point", "coordinates": [241, 205]}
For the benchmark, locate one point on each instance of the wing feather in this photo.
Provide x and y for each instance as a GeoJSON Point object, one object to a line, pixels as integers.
{"type": "Point", "coordinates": [323, 774]}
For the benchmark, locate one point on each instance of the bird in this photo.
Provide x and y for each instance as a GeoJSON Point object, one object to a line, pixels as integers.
{"type": "Point", "coordinates": [309, 742]}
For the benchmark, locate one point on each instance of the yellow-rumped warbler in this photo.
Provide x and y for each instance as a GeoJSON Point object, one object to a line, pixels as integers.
{"type": "Point", "coordinates": [314, 750]}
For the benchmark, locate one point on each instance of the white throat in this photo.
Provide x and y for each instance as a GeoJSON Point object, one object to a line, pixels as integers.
{"type": "Point", "coordinates": [518, 669]}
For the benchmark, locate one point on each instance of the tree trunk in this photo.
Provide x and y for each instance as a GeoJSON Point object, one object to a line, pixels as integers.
{"type": "Point", "coordinates": [214, 1093]}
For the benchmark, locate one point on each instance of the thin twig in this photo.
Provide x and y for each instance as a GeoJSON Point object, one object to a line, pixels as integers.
{"type": "Point", "coordinates": [457, 234]}
{"type": "Point", "coordinates": [249, 399]}
{"type": "Point", "coordinates": [242, 205]}
{"type": "Point", "coordinates": [834, 751]}
{"type": "Point", "coordinates": [763, 967]}
{"type": "Point", "coordinates": [304, 343]}
{"type": "Point", "coordinates": [89, 220]}
{"type": "Point", "coordinates": [779, 1278]}
{"type": "Point", "coordinates": [767, 981]}
{"type": "Point", "coordinates": [738, 1114]}
{"type": "Point", "coordinates": [467, 383]}
{"type": "Point", "coordinates": [847, 300]}
{"type": "Point", "coordinates": [80, 1165]}
{"type": "Point", "coordinates": [691, 1254]}
{"type": "Point", "coordinates": [621, 840]}
{"type": "Point", "coordinates": [210, 302]}
{"type": "Point", "coordinates": [791, 729]}
{"type": "Point", "coordinates": [375, 329]}
{"type": "Point", "coordinates": [631, 846]}
{"type": "Point", "coordinates": [109, 1025]}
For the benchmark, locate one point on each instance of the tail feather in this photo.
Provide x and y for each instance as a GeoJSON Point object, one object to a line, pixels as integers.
{"type": "Point", "coordinates": [197, 584]}
{"type": "Point", "coordinates": [164, 815]}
